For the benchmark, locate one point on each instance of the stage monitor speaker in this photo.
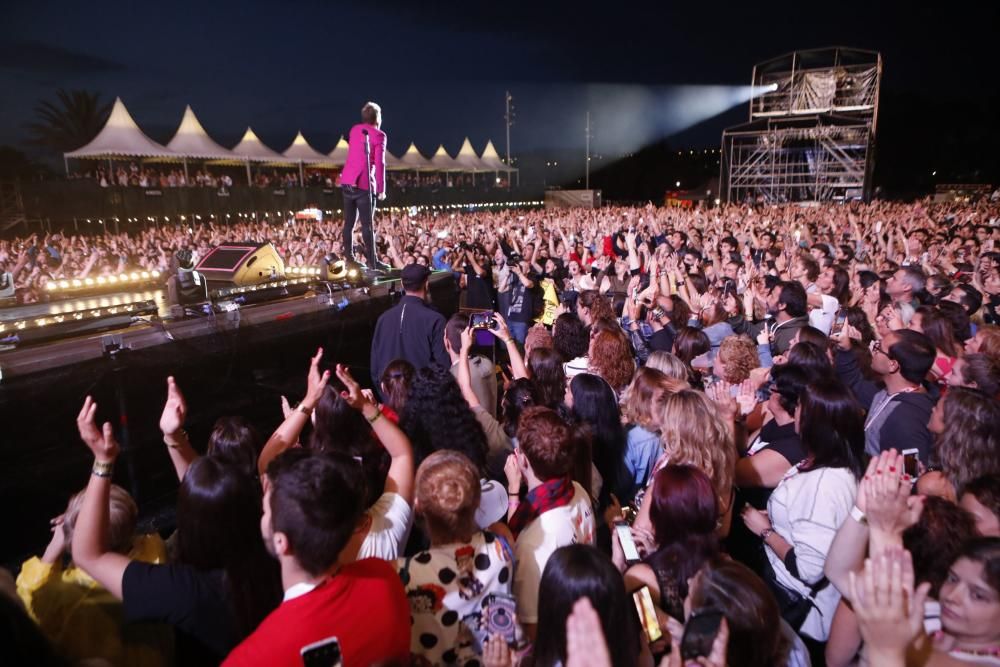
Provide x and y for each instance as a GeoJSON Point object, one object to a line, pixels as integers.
{"type": "Point", "coordinates": [240, 264]}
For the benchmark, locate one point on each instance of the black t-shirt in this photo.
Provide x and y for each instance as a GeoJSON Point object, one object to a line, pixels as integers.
{"type": "Point", "coordinates": [191, 600]}
{"type": "Point", "coordinates": [522, 301]}
{"type": "Point", "coordinates": [479, 290]}
{"type": "Point", "coordinates": [782, 440]}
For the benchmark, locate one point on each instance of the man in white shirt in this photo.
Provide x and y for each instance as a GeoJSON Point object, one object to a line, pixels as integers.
{"type": "Point", "coordinates": [825, 304]}
{"type": "Point", "coordinates": [555, 512]}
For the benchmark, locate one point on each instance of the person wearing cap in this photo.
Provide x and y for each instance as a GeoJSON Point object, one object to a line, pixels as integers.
{"type": "Point", "coordinates": [411, 329]}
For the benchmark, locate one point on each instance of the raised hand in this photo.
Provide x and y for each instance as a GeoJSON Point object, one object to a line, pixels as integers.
{"type": "Point", "coordinates": [888, 504]}
{"type": "Point", "coordinates": [502, 331]}
{"type": "Point", "coordinates": [585, 643]}
{"type": "Point", "coordinates": [102, 443]}
{"type": "Point", "coordinates": [315, 381]}
{"type": "Point", "coordinates": [889, 610]}
{"type": "Point", "coordinates": [174, 410]}
{"type": "Point", "coordinates": [352, 395]}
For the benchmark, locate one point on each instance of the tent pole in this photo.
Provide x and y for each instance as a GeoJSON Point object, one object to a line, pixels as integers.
{"type": "Point", "coordinates": [111, 172]}
{"type": "Point", "coordinates": [302, 180]}
{"type": "Point", "coordinates": [187, 180]}
{"type": "Point", "coordinates": [249, 179]}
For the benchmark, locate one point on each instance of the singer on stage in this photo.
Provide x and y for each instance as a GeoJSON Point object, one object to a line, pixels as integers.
{"type": "Point", "coordinates": [363, 175]}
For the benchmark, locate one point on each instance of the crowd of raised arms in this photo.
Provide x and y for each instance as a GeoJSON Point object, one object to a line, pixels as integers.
{"type": "Point", "coordinates": [779, 426]}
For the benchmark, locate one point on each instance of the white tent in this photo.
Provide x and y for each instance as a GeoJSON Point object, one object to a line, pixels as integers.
{"type": "Point", "coordinates": [468, 160]}
{"type": "Point", "coordinates": [253, 149]}
{"type": "Point", "coordinates": [338, 156]}
{"type": "Point", "coordinates": [441, 161]}
{"type": "Point", "coordinates": [300, 151]}
{"type": "Point", "coordinates": [413, 160]}
{"type": "Point", "coordinates": [121, 137]}
{"type": "Point", "coordinates": [491, 159]}
{"type": "Point", "coordinates": [191, 141]}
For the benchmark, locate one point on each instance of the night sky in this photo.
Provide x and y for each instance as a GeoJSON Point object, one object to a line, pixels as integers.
{"type": "Point", "coordinates": [440, 69]}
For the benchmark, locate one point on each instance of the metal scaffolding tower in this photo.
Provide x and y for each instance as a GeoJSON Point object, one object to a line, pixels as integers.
{"type": "Point", "coordinates": [811, 133]}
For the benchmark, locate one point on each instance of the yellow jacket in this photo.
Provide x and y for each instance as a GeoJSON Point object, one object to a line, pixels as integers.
{"type": "Point", "coordinates": [84, 621]}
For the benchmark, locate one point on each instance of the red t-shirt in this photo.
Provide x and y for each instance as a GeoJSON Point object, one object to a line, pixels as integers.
{"type": "Point", "coordinates": [363, 605]}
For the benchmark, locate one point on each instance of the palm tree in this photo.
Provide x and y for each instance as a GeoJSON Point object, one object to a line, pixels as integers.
{"type": "Point", "coordinates": [69, 124]}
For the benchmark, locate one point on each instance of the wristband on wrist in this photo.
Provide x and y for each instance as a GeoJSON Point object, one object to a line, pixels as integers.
{"type": "Point", "coordinates": [766, 534]}
{"type": "Point", "coordinates": [304, 409]}
{"type": "Point", "coordinates": [375, 417]}
{"type": "Point", "coordinates": [103, 468]}
{"type": "Point", "coordinates": [174, 440]}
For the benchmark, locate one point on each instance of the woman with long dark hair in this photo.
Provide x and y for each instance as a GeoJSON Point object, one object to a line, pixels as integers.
{"type": "Point", "coordinates": [684, 512]}
{"type": "Point", "coordinates": [813, 500]}
{"type": "Point", "coordinates": [437, 416]}
{"type": "Point", "coordinates": [593, 403]}
{"type": "Point", "coordinates": [689, 344]}
{"type": "Point", "coordinates": [395, 387]}
{"type": "Point", "coordinates": [577, 571]}
{"type": "Point", "coordinates": [545, 366]}
{"type": "Point", "coordinates": [223, 583]}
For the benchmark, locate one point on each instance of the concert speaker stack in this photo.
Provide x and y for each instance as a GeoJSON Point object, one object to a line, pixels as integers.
{"type": "Point", "coordinates": [240, 264]}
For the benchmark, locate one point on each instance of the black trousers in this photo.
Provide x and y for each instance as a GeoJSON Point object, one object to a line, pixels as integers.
{"type": "Point", "coordinates": [359, 205]}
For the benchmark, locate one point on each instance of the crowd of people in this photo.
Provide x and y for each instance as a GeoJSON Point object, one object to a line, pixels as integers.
{"type": "Point", "coordinates": [742, 436]}
{"type": "Point", "coordinates": [146, 176]}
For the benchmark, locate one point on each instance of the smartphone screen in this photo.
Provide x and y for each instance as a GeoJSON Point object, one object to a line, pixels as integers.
{"type": "Point", "coordinates": [647, 614]}
{"type": "Point", "coordinates": [699, 634]}
{"type": "Point", "coordinates": [628, 544]}
{"type": "Point", "coordinates": [501, 617]}
{"type": "Point", "coordinates": [324, 653]}
{"type": "Point", "coordinates": [910, 458]}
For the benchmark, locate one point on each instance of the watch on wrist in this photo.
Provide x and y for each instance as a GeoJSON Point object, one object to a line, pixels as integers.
{"type": "Point", "coordinates": [766, 533]}
{"type": "Point", "coordinates": [858, 515]}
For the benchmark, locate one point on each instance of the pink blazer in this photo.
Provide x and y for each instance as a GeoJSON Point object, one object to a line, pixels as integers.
{"type": "Point", "coordinates": [354, 168]}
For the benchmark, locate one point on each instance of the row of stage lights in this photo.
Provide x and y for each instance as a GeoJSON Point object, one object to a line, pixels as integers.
{"type": "Point", "coordinates": [76, 316]}
{"type": "Point", "coordinates": [231, 291]}
{"type": "Point", "coordinates": [392, 209]}
{"type": "Point", "coordinates": [101, 281]}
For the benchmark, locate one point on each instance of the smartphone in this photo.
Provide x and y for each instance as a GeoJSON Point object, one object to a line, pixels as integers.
{"type": "Point", "coordinates": [482, 321]}
{"type": "Point", "coordinates": [324, 653]}
{"type": "Point", "coordinates": [910, 462]}
{"type": "Point", "coordinates": [699, 634]}
{"type": "Point", "coordinates": [838, 325]}
{"type": "Point", "coordinates": [501, 617]}
{"type": "Point", "coordinates": [647, 614]}
{"type": "Point", "coordinates": [628, 544]}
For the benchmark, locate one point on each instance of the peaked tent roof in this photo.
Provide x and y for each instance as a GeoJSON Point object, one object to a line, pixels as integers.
{"type": "Point", "coordinates": [414, 160]}
{"type": "Point", "coordinates": [338, 155]}
{"type": "Point", "coordinates": [492, 160]}
{"type": "Point", "coordinates": [468, 160]}
{"type": "Point", "coordinates": [192, 141]}
{"type": "Point", "coordinates": [252, 148]}
{"type": "Point", "coordinates": [301, 151]}
{"type": "Point", "coordinates": [441, 161]}
{"type": "Point", "coordinates": [393, 162]}
{"type": "Point", "coordinates": [120, 136]}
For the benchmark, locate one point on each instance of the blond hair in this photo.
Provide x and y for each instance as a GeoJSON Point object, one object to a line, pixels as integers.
{"type": "Point", "coordinates": [693, 433]}
{"type": "Point", "coordinates": [122, 518]}
{"type": "Point", "coordinates": [448, 493]}
{"type": "Point", "coordinates": [668, 364]}
{"type": "Point", "coordinates": [642, 401]}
